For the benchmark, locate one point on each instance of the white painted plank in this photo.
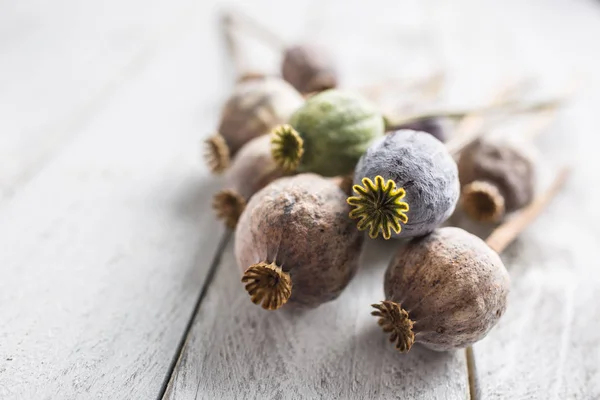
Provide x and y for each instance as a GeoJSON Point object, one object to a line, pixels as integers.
{"type": "Point", "coordinates": [105, 250]}
{"type": "Point", "coordinates": [60, 62]}
{"type": "Point", "coordinates": [547, 345]}
{"type": "Point", "coordinates": [236, 349]}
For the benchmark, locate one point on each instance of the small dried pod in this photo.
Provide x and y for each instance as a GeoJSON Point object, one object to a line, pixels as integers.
{"type": "Point", "coordinates": [252, 169]}
{"type": "Point", "coordinates": [309, 68]}
{"type": "Point", "coordinates": [445, 290]}
{"type": "Point", "coordinates": [295, 243]}
{"type": "Point", "coordinates": [406, 185]}
{"type": "Point", "coordinates": [255, 107]}
{"type": "Point", "coordinates": [435, 126]}
{"type": "Point", "coordinates": [328, 134]}
{"type": "Point", "coordinates": [496, 178]}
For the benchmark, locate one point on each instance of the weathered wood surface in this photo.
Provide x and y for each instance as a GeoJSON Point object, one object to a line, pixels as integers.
{"type": "Point", "coordinates": [61, 62]}
{"type": "Point", "coordinates": [237, 350]}
{"type": "Point", "coordinates": [106, 236]}
{"type": "Point", "coordinates": [104, 248]}
{"type": "Point", "coordinates": [545, 347]}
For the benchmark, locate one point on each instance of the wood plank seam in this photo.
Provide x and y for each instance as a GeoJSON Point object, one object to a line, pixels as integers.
{"type": "Point", "coordinates": [474, 388]}
{"type": "Point", "coordinates": [215, 263]}
{"type": "Point", "coordinates": [65, 130]}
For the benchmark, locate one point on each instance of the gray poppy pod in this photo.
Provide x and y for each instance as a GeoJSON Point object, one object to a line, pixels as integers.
{"type": "Point", "coordinates": [406, 182]}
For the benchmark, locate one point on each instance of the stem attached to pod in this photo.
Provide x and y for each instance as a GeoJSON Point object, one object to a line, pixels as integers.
{"type": "Point", "coordinates": [483, 201]}
{"type": "Point", "coordinates": [287, 147]}
{"type": "Point", "coordinates": [379, 206]}
{"type": "Point", "coordinates": [394, 320]}
{"type": "Point", "coordinates": [268, 285]}
{"type": "Point", "coordinates": [216, 153]}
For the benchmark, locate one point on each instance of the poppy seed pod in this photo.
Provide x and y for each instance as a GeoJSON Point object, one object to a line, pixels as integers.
{"type": "Point", "coordinates": [328, 134]}
{"type": "Point", "coordinates": [445, 290]}
{"type": "Point", "coordinates": [432, 125]}
{"type": "Point", "coordinates": [308, 68]}
{"type": "Point", "coordinates": [406, 182]}
{"type": "Point", "coordinates": [254, 108]}
{"type": "Point", "coordinates": [252, 169]}
{"type": "Point", "coordinates": [295, 243]}
{"type": "Point", "coordinates": [496, 178]}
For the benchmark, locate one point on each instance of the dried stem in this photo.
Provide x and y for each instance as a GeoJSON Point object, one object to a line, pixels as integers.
{"type": "Point", "coordinates": [228, 206]}
{"type": "Point", "coordinates": [471, 126]}
{"type": "Point", "coordinates": [502, 236]}
{"type": "Point", "coordinates": [268, 285]}
{"type": "Point", "coordinates": [482, 201]}
{"type": "Point", "coordinates": [473, 131]}
{"type": "Point", "coordinates": [429, 85]}
{"type": "Point", "coordinates": [379, 207]}
{"type": "Point", "coordinates": [548, 115]}
{"type": "Point", "coordinates": [216, 153]}
{"type": "Point", "coordinates": [287, 147]}
{"type": "Point", "coordinates": [394, 320]}
{"type": "Point", "coordinates": [228, 24]}
{"type": "Point", "coordinates": [505, 95]}
{"type": "Point", "coordinates": [245, 22]}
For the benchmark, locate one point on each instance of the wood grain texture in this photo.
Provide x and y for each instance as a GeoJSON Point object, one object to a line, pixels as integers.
{"type": "Point", "coordinates": [63, 61]}
{"type": "Point", "coordinates": [547, 346]}
{"type": "Point", "coordinates": [105, 250]}
{"type": "Point", "coordinates": [238, 350]}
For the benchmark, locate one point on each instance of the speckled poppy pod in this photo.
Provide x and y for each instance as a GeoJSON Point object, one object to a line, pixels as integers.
{"type": "Point", "coordinates": [252, 169]}
{"type": "Point", "coordinates": [295, 243]}
{"type": "Point", "coordinates": [496, 178]}
{"type": "Point", "coordinates": [445, 290]}
{"type": "Point", "coordinates": [254, 108]}
{"type": "Point", "coordinates": [406, 185]}
{"type": "Point", "coordinates": [309, 68]}
{"type": "Point", "coordinates": [328, 134]}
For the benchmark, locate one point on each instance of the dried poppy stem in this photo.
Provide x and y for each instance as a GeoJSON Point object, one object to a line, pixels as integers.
{"type": "Point", "coordinates": [244, 22]}
{"type": "Point", "coordinates": [396, 321]}
{"type": "Point", "coordinates": [473, 130]}
{"type": "Point", "coordinates": [429, 86]}
{"type": "Point", "coordinates": [548, 115]}
{"type": "Point", "coordinates": [471, 125]}
{"type": "Point", "coordinates": [502, 236]}
{"type": "Point", "coordinates": [228, 24]}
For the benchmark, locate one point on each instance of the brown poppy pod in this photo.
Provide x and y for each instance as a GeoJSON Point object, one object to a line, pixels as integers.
{"type": "Point", "coordinates": [255, 107]}
{"type": "Point", "coordinates": [496, 178]}
{"type": "Point", "coordinates": [448, 289]}
{"type": "Point", "coordinates": [296, 244]}
{"type": "Point", "coordinates": [445, 290]}
{"type": "Point", "coordinates": [252, 169]}
{"type": "Point", "coordinates": [309, 68]}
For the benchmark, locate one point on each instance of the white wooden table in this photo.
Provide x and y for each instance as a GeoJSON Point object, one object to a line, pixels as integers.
{"type": "Point", "coordinates": [117, 282]}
